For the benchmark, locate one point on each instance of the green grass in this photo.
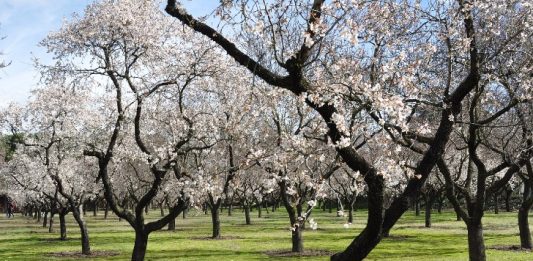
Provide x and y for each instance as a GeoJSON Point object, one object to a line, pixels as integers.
{"type": "Point", "coordinates": [24, 239]}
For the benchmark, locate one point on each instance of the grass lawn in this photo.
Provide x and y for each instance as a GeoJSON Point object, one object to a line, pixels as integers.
{"type": "Point", "coordinates": [24, 239]}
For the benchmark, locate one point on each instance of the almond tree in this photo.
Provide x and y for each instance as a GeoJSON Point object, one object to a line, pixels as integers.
{"type": "Point", "coordinates": [50, 150]}
{"type": "Point", "coordinates": [235, 120]}
{"type": "Point", "coordinates": [298, 164]}
{"type": "Point", "coordinates": [144, 116]}
{"type": "Point", "coordinates": [347, 186]}
{"type": "Point", "coordinates": [373, 55]}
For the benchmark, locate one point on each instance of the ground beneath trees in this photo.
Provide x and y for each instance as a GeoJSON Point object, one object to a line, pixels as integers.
{"type": "Point", "coordinates": [217, 238]}
{"type": "Point", "coordinates": [288, 253]}
{"type": "Point", "coordinates": [266, 239]}
{"type": "Point", "coordinates": [80, 255]}
{"type": "Point", "coordinates": [515, 248]}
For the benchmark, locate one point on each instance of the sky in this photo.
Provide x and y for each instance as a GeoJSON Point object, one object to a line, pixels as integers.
{"type": "Point", "coordinates": [24, 23]}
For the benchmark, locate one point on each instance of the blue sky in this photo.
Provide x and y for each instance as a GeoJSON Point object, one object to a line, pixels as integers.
{"type": "Point", "coordinates": [25, 22]}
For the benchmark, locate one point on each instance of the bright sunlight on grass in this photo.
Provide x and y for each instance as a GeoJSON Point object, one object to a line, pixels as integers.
{"type": "Point", "coordinates": [22, 238]}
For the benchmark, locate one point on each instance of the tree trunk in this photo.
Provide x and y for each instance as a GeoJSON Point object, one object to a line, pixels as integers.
{"type": "Point", "coordinates": [38, 216]}
{"type": "Point", "coordinates": [523, 226]}
{"type": "Point", "coordinates": [429, 205]}
{"type": "Point", "coordinates": [371, 235]}
{"type": "Point", "coordinates": [162, 210]}
{"type": "Point", "coordinates": [45, 218]}
{"type": "Point", "coordinates": [259, 210]}
{"type": "Point", "coordinates": [507, 201]}
{"type": "Point", "coordinates": [95, 208]}
{"type": "Point", "coordinates": [247, 214]}
{"type": "Point", "coordinates": [476, 244]}
{"type": "Point", "coordinates": [440, 203]}
{"type": "Point", "coordinates": [62, 226]}
{"type": "Point", "coordinates": [297, 240]}
{"type": "Point", "coordinates": [215, 219]}
{"type": "Point", "coordinates": [139, 249]}
{"type": "Point", "coordinates": [417, 207]}
{"type": "Point", "coordinates": [85, 246]}
{"type": "Point", "coordinates": [51, 227]}
{"type": "Point", "coordinates": [496, 205]}
{"type": "Point", "coordinates": [184, 213]}
{"type": "Point", "coordinates": [523, 215]}
{"type": "Point", "coordinates": [172, 225]}
{"type": "Point", "coordinates": [230, 208]}
{"type": "Point", "coordinates": [106, 211]}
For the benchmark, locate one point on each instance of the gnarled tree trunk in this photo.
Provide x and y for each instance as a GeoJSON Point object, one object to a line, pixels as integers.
{"type": "Point", "coordinates": [476, 243]}
{"type": "Point", "coordinates": [297, 239]}
{"type": "Point", "coordinates": [85, 245]}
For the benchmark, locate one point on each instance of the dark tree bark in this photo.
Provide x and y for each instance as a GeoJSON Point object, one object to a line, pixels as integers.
{"type": "Point", "coordinates": [429, 205]}
{"type": "Point", "coordinates": [141, 243]}
{"type": "Point", "coordinates": [247, 214]}
{"type": "Point", "coordinates": [51, 225]}
{"type": "Point", "coordinates": [62, 225]}
{"type": "Point", "coordinates": [417, 206]}
{"type": "Point", "coordinates": [85, 245]}
{"type": "Point", "coordinates": [523, 224]}
{"type": "Point", "coordinates": [297, 240]}
{"type": "Point", "coordinates": [496, 203]}
{"type": "Point", "coordinates": [75, 208]}
{"type": "Point", "coordinates": [440, 203]}
{"type": "Point", "coordinates": [371, 235]}
{"type": "Point", "coordinates": [350, 213]}
{"type": "Point", "coordinates": [523, 211]}
{"type": "Point", "coordinates": [172, 225]}
{"type": "Point", "coordinates": [259, 210]}
{"type": "Point", "coordinates": [215, 220]}
{"type": "Point", "coordinates": [95, 207]}
{"type": "Point", "coordinates": [508, 194]}
{"type": "Point", "coordinates": [45, 218]}
{"type": "Point", "coordinates": [476, 243]}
